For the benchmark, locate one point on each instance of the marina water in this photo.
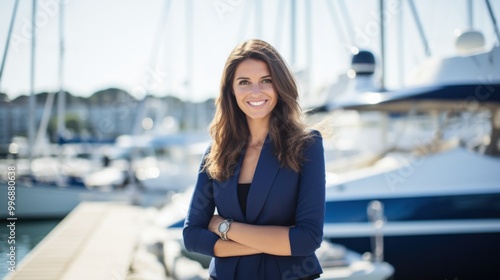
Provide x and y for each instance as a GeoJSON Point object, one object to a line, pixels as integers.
{"type": "Point", "coordinates": [28, 235]}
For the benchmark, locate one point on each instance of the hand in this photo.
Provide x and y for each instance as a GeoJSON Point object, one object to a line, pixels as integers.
{"type": "Point", "coordinates": [213, 226]}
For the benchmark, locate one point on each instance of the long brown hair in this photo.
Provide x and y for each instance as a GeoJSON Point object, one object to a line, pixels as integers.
{"type": "Point", "coordinates": [229, 129]}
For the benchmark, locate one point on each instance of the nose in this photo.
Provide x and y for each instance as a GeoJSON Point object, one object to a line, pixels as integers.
{"type": "Point", "coordinates": [256, 88]}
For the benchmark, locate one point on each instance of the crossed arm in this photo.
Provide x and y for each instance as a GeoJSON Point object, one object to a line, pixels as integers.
{"type": "Point", "coordinates": [246, 239]}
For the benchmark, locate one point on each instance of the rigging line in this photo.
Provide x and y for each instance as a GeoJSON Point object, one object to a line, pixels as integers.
{"type": "Point", "coordinates": [61, 99]}
{"type": "Point", "coordinates": [7, 43]}
{"type": "Point", "coordinates": [421, 32]}
{"type": "Point", "coordinates": [336, 22]}
{"type": "Point", "coordinates": [293, 30]}
{"type": "Point", "coordinates": [244, 23]}
{"type": "Point", "coordinates": [160, 31]}
{"type": "Point", "coordinates": [258, 19]}
{"type": "Point", "coordinates": [339, 30]}
{"type": "Point", "coordinates": [142, 105]}
{"type": "Point", "coordinates": [347, 19]}
{"type": "Point", "coordinates": [278, 32]}
{"type": "Point", "coordinates": [493, 20]}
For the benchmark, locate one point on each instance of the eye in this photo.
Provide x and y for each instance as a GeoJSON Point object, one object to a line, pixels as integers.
{"type": "Point", "coordinates": [267, 81]}
{"type": "Point", "coordinates": [243, 82]}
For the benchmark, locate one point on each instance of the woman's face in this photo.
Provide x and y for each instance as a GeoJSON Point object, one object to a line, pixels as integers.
{"type": "Point", "coordinates": [253, 89]}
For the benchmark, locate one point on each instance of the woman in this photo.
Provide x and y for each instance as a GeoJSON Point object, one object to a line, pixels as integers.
{"type": "Point", "coordinates": [264, 172]}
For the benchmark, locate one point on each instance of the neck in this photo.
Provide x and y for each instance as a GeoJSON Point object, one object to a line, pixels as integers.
{"type": "Point", "coordinates": [258, 132]}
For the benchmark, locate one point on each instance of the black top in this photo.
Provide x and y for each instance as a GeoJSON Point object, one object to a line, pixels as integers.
{"type": "Point", "coordinates": [243, 190]}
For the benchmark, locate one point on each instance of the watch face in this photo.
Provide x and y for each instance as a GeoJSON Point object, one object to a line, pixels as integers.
{"type": "Point", "coordinates": [223, 227]}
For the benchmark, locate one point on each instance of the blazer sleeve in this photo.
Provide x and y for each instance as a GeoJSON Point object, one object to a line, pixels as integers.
{"type": "Point", "coordinates": [197, 237]}
{"type": "Point", "coordinates": [307, 234]}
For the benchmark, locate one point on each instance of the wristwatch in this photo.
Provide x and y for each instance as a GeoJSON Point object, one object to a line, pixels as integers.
{"type": "Point", "coordinates": [224, 228]}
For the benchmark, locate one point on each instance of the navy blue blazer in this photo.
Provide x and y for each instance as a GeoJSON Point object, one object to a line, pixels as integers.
{"type": "Point", "coordinates": [278, 196]}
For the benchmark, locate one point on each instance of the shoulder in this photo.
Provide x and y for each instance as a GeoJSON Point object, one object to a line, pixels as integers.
{"type": "Point", "coordinates": [315, 134]}
{"type": "Point", "coordinates": [314, 138]}
{"type": "Point", "coordinates": [314, 143]}
{"type": "Point", "coordinates": [209, 147]}
{"type": "Point", "coordinates": [205, 156]}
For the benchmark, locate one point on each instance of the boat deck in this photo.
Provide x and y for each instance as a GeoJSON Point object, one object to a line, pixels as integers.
{"type": "Point", "coordinates": [96, 240]}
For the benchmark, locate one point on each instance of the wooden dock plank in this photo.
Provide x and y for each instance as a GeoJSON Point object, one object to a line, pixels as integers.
{"type": "Point", "coordinates": [95, 241]}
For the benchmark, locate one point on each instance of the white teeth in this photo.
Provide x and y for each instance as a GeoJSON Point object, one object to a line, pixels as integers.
{"type": "Point", "coordinates": [257, 103]}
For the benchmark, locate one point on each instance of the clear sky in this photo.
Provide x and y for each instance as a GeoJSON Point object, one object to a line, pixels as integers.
{"type": "Point", "coordinates": [116, 43]}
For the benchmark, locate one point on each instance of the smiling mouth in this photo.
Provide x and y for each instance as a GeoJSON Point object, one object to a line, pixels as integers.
{"type": "Point", "coordinates": [256, 103]}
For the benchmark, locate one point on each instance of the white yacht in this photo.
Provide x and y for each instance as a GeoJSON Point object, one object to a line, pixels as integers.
{"type": "Point", "coordinates": [440, 189]}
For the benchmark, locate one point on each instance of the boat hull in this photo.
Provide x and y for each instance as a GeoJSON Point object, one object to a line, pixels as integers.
{"type": "Point", "coordinates": [439, 256]}
{"type": "Point", "coordinates": [42, 201]}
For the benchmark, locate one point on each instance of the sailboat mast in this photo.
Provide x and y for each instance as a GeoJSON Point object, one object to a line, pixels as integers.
{"type": "Point", "coordinates": [61, 97]}
{"type": "Point", "coordinates": [258, 18]}
{"type": "Point", "coordinates": [7, 43]}
{"type": "Point", "coordinates": [401, 49]}
{"type": "Point", "coordinates": [308, 48]}
{"type": "Point", "coordinates": [470, 14]}
{"type": "Point", "coordinates": [293, 25]}
{"type": "Point", "coordinates": [31, 102]}
{"type": "Point", "coordinates": [382, 46]}
{"type": "Point", "coordinates": [193, 114]}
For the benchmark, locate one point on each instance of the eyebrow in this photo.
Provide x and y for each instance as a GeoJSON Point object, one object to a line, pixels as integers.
{"type": "Point", "coordinates": [245, 78]}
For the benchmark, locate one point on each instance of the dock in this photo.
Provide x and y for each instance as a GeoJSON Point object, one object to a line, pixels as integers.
{"type": "Point", "coordinates": [95, 241]}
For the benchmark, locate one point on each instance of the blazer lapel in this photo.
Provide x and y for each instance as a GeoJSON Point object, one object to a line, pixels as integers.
{"type": "Point", "coordinates": [263, 178]}
{"type": "Point", "coordinates": [227, 196]}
